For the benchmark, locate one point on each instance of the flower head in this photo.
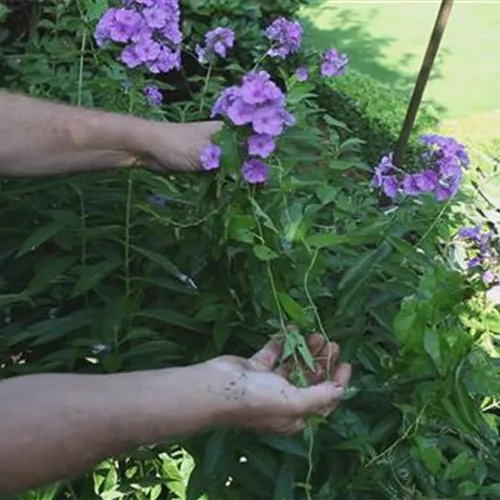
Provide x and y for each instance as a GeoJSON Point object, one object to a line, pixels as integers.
{"type": "Point", "coordinates": [210, 157]}
{"type": "Point", "coordinates": [255, 172]}
{"type": "Point", "coordinates": [257, 101]}
{"type": "Point", "coordinates": [217, 43]}
{"type": "Point", "coordinates": [285, 37]}
{"type": "Point", "coordinates": [302, 74]}
{"type": "Point", "coordinates": [261, 145]}
{"type": "Point", "coordinates": [334, 63]}
{"type": "Point", "coordinates": [148, 32]}
{"type": "Point", "coordinates": [385, 177]}
{"type": "Point", "coordinates": [153, 95]}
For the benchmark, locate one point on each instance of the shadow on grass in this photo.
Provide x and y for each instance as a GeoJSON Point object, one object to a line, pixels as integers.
{"type": "Point", "coordinates": [365, 49]}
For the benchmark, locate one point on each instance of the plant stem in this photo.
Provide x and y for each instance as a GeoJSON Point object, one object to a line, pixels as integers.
{"type": "Point", "coordinates": [205, 88]}
{"type": "Point", "coordinates": [128, 212]}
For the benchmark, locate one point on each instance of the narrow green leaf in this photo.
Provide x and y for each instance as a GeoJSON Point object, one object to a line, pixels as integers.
{"type": "Point", "coordinates": [360, 271]}
{"type": "Point", "coordinates": [284, 486]}
{"type": "Point", "coordinates": [162, 261]}
{"type": "Point", "coordinates": [293, 309]}
{"type": "Point", "coordinates": [264, 253]}
{"type": "Point", "coordinates": [40, 236]}
{"type": "Point", "coordinates": [53, 268]}
{"type": "Point", "coordinates": [174, 318]}
{"type": "Point", "coordinates": [262, 214]}
{"type": "Point", "coordinates": [93, 275]}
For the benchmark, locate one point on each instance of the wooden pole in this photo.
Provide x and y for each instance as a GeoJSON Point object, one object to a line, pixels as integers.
{"type": "Point", "coordinates": [423, 78]}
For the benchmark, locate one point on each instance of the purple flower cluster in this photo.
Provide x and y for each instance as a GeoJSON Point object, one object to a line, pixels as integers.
{"type": "Point", "coordinates": [260, 103]}
{"type": "Point", "coordinates": [153, 95]}
{"type": "Point", "coordinates": [443, 163]}
{"type": "Point", "coordinates": [150, 31]}
{"type": "Point", "coordinates": [217, 43]}
{"type": "Point", "coordinates": [480, 245]}
{"type": "Point", "coordinates": [285, 37]}
{"type": "Point", "coordinates": [334, 63]}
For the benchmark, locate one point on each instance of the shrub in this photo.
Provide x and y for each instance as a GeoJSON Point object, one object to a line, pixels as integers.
{"type": "Point", "coordinates": [98, 277]}
{"type": "Point", "coordinates": [374, 112]}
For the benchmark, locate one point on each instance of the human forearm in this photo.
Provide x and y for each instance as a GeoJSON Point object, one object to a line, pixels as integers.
{"type": "Point", "coordinates": [38, 137]}
{"type": "Point", "coordinates": [54, 426]}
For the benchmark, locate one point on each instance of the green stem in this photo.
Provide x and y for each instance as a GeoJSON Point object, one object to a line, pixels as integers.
{"type": "Point", "coordinates": [205, 88]}
{"type": "Point", "coordinates": [128, 213]}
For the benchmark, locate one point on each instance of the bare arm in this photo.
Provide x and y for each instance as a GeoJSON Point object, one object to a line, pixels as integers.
{"type": "Point", "coordinates": [54, 426]}
{"type": "Point", "coordinates": [39, 137]}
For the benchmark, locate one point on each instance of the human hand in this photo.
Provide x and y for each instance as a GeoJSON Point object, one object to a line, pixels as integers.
{"type": "Point", "coordinates": [174, 146]}
{"type": "Point", "coordinates": [260, 397]}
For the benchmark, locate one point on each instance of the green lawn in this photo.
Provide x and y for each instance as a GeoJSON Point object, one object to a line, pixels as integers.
{"type": "Point", "coordinates": [387, 40]}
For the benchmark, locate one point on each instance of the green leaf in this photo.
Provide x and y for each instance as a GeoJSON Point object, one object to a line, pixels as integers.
{"type": "Point", "coordinates": [320, 241]}
{"type": "Point", "coordinates": [174, 318]}
{"type": "Point", "coordinates": [96, 8]}
{"type": "Point", "coordinates": [433, 346]}
{"type": "Point", "coordinates": [468, 489]}
{"type": "Point", "coordinates": [305, 352]}
{"type": "Point", "coordinates": [264, 253]}
{"type": "Point", "coordinates": [430, 454]}
{"type": "Point", "coordinates": [197, 484]}
{"type": "Point", "coordinates": [93, 275]}
{"type": "Point", "coordinates": [361, 270]}
{"type": "Point", "coordinates": [230, 158]}
{"type": "Point", "coordinates": [284, 485]}
{"type": "Point", "coordinates": [53, 268]}
{"type": "Point", "coordinates": [240, 228]}
{"type": "Point", "coordinates": [53, 329]}
{"type": "Point", "coordinates": [162, 261]}
{"type": "Point", "coordinates": [214, 452]}
{"type": "Point", "coordinates": [461, 466]}
{"type": "Point", "coordinates": [293, 309]}
{"type": "Point", "coordinates": [40, 236]}
{"type": "Point", "coordinates": [262, 214]}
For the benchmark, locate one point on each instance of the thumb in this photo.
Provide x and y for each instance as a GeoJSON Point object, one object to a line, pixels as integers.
{"type": "Point", "coordinates": [313, 399]}
{"type": "Point", "coordinates": [268, 356]}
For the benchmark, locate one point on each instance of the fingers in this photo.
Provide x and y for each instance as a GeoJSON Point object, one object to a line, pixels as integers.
{"type": "Point", "coordinates": [342, 377]}
{"type": "Point", "coordinates": [314, 399]}
{"type": "Point", "coordinates": [267, 358]}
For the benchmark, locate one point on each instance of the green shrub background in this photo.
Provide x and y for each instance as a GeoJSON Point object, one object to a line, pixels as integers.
{"type": "Point", "coordinates": [86, 261]}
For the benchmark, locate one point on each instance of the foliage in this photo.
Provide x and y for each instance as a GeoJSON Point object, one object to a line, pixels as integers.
{"type": "Point", "coordinates": [99, 277]}
{"type": "Point", "coordinates": [374, 112]}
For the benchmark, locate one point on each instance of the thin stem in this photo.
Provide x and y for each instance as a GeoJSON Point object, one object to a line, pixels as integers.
{"type": "Point", "coordinates": [80, 69]}
{"type": "Point", "coordinates": [434, 224]}
{"type": "Point", "coordinates": [205, 88]}
{"type": "Point", "coordinates": [128, 213]}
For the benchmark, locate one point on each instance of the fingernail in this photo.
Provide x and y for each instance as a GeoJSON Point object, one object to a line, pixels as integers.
{"type": "Point", "coordinates": [337, 391]}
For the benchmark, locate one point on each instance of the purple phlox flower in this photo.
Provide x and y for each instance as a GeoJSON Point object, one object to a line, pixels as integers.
{"type": "Point", "coordinates": [155, 17]}
{"type": "Point", "coordinates": [268, 120]}
{"type": "Point", "coordinates": [385, 177]}
{"type": "Point", "coordinates": [149, 30]}
{"type": "Point", "coordinates": [488, 277]}
{"type": "Point", "coordinates": [129, 57]}
{"type": "Point", "coordinates": [426, 180]}
{"type": "Point", "coordinates": [258, 88]}
{"type": "Point", "coordinates": [285, 37]}
{"type": "Point", "coordinates": [448, 158]}
{"type": "Point", "coordinates": [302, 74]}
{"type": "Point", "coordinates": [227, 98]}
{"type": "Point", "coordinates": [493, 295]}
{"type": "Point", "coordinates": [257, 101]}
{"type": "Point", "coordinates": [410, 187]}
{"type": "Point", "coordinates": [470, 233]}
{"type": "Point", "coordinates": [217, 43]}
{"type": "Point", "coordinates": [240, 113]}
{"type": "Point", "coordinates": [153, 95]}
{"type": "Point", "coordinates": [210, 157]}
{"type": "Point", "coordinates": [124, 24]}
{"type": "Point", "coordinates": [261, 145]}
{"type": "Point", "coordinates": [255, 172]}
{"type": "Point", "coordinates": [475, 262]}
{"type": "Point", "coordinates": [334, 63]}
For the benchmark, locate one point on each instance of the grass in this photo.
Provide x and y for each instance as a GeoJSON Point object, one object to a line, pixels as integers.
{"type": "Point", "coordinates": [388, 38]}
